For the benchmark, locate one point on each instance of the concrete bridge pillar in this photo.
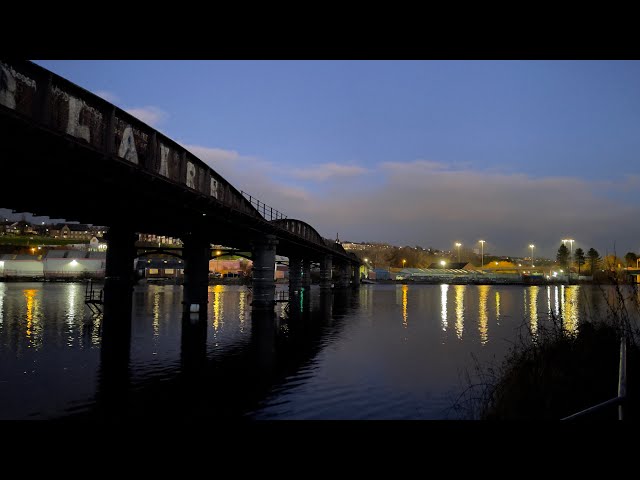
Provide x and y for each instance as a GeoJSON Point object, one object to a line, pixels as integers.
{"type": "Point", "coordinates": [118, 281]}
{"type": "Point", "coordinates": [306, 275]}
{"type": "Point", "coordinates": [295, 276]}
{"type": "Point", "coordinates": [356, 275]}
{"type": "Point", "coordinates": [343, 273]}
{"type": "Point", "coordinates": [325, 272]}
{"type": "Point", "coordinates": [264, 262]}
{"type": "Point", "coordinates": [196, 255]}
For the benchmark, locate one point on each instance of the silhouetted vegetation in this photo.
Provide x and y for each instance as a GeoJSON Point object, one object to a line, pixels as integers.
{"type": "Point", "coordinates": [555, 372]}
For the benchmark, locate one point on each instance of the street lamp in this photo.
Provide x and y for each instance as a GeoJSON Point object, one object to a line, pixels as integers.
{"type": "Point", "coordinates": [531, 247]}
{"type": "Point", "coordinates": [442, 263]}
{"type": "Point", "coordinates": [482, 253]}
{"type": "Point", "coordinates": [458, 245]}
{"type": "Point", "coordinates": [403, 262]}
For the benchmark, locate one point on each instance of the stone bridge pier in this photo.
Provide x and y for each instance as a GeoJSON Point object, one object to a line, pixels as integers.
{"type": "Point", "coordinates": [306, 275]}
{"type": "Point", "coordinates": [264, 263]}
{"type": "Point", "coordinates": [325, 272]}
{"type": "Point", "coordinates": [295, 276]}
{"type": "Point", "coordinates": [343, 275]}
{"type": "Point", "coordinates": [355, 279]}
{"type": "Point", "coordinates": [196, 255]}
{"type": "Point", "coordinates": [118, 281]}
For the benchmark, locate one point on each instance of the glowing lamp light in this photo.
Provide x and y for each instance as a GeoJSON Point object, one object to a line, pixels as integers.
{"type": "Point", "coordinates": [73, 263]}
{"type": "Point", "coordinates": [442, 262]}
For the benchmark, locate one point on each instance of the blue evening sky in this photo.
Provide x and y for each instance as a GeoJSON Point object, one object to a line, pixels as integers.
{"type": "Point", "coordinates": [408, 152]}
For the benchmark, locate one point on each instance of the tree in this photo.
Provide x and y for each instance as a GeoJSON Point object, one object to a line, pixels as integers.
{"type": "Point", "coordinates": [562, 257]}
{"type": "Point", "coordinates": [594, 258]}
{"type": "Point", "coordinates": [579, 258]}
{"type": "Point", "coordinates": [631, 259]}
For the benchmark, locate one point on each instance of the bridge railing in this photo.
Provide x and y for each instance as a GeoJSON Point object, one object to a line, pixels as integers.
{"type": "Point", "coordinates": [622, 389]}
{"type": "Point", "coordinates": [269, 213]}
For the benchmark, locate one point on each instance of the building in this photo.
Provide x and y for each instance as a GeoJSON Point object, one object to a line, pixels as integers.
{"type": "Point", "coordinates": [159, 240]}
{"type": "Point", "coordinates": [158, 268]}
{"type": "Point", "coordinates": [21, 227]}
{"type": "Point", "coordinates": [71, 231]}
{"type": "Point", "coordinates": [21, 267]}
{"type": "Point", "coordinates": [73, 264]}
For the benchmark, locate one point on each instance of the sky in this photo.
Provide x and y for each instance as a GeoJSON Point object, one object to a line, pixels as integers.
{"type": "Point", "coordinates": [422, 153]}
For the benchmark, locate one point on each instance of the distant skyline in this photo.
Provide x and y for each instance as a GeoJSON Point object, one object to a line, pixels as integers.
{"type": "Point", "coordinates": [408, 152]}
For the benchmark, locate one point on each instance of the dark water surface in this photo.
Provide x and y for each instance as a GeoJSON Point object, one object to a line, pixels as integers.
{"type": "Point", "coordinates": [380, 352]}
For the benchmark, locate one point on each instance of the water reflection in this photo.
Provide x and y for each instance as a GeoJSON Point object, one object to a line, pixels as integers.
{"type": "Point", "coordinates": [2, 293]}
{"type": "Point", "coordinates": [533, 311]}
{"type": "Point", "coordinates": [483, 317]}
{"type": "Point", "coordinates": [33, 329]}
{"type": "Point", "coordinates": [218, 306]}
{"type": "Point", "coordinates": [156, 314]}
{"type": "Point", "coordinates": [443, 309]}
{"type": "Point", "coordinates": [571, 309]}
{"type": "Point", "coordinates": [459, 289]}
{"type": "Point", "coordinates": [242, 305]}
{"type": "Point", "coordinates": [405, 289]}
{"type": "Point", "coordinates": [334, 357]}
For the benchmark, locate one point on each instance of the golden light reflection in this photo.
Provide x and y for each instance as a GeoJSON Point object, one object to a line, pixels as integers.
{"type": "Point", "coordinates": [533, 310]}
{"type": "Point", "coordinates": [459, 289]}
{"type": "Point", "coordinates": [71, 306]}
{"type": "Point", "coordinates": [498, 307]}
{"type": "Point", "coordinates": [242, 305]}
{"type": "Point", "coordinates": [1, 304]}
{"type": "Point", "coordinates": [548, 300]}
{"type": "Point", "coordinates": [30, 297]}
{"type": "Point", "coordinates": [95, 330]}
{"type": "Point", "coordinates": [405, 289]}
{"type": "Point", "coordinates": [483, 317]}
{"type": "Point", "coordinates": [571, 310]}
{"type": "Point", "coordinates": [218, 309]}
{"type": "Point", "coordinates": [443, 302]}
{"type": "Point", "coordinates": [156, 314]}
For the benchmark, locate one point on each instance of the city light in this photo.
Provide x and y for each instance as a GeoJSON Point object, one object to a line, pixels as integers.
{"type": "Point", "coordinates": [570, 240]}
{"type": "Point", "coordinates": [458, 245]}
{"type": "Point", "coordinates": [531, 247]}
{"type": "Point", "coordinates": [403, 262]}
{"type": "Point", "coordinates": [481, 253]}
{"type": "Point", "coordinates": [443, 263]}
{"type": "Point", "coordinates": [73, 263]}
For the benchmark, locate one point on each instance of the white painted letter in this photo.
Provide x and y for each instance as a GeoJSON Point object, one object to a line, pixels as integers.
{"type": "Point", "coordinates": [191, 175]}
{"type": "Point", "coordinates": [214, 188]}
{"type": "Point", "coordinates": [7, 88]}
{"type": "Point", "coordinates": [73, 125]}
{"type": "Point", "coordinates": [164, 154]}
{"type": "Point", "coordinates": [127, 148]}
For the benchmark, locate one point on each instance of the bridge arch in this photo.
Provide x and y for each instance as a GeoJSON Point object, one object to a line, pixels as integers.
{"type": "Point", "coordinates": [300, 228]}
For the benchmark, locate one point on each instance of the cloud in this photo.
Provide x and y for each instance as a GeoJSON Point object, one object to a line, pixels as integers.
{"type": "Point", "coordinates": [325, 171]}
{"type": "Point", "coordinates": [433, 204]}
{"type": "Point", "coordinates": [108, 96]}
{"type": "Point", "coordinates": [252, 174]}
{"type": "Point", "coordinates": [150, 115]}
{"type": "Point", "coordinates": [429, 204]}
